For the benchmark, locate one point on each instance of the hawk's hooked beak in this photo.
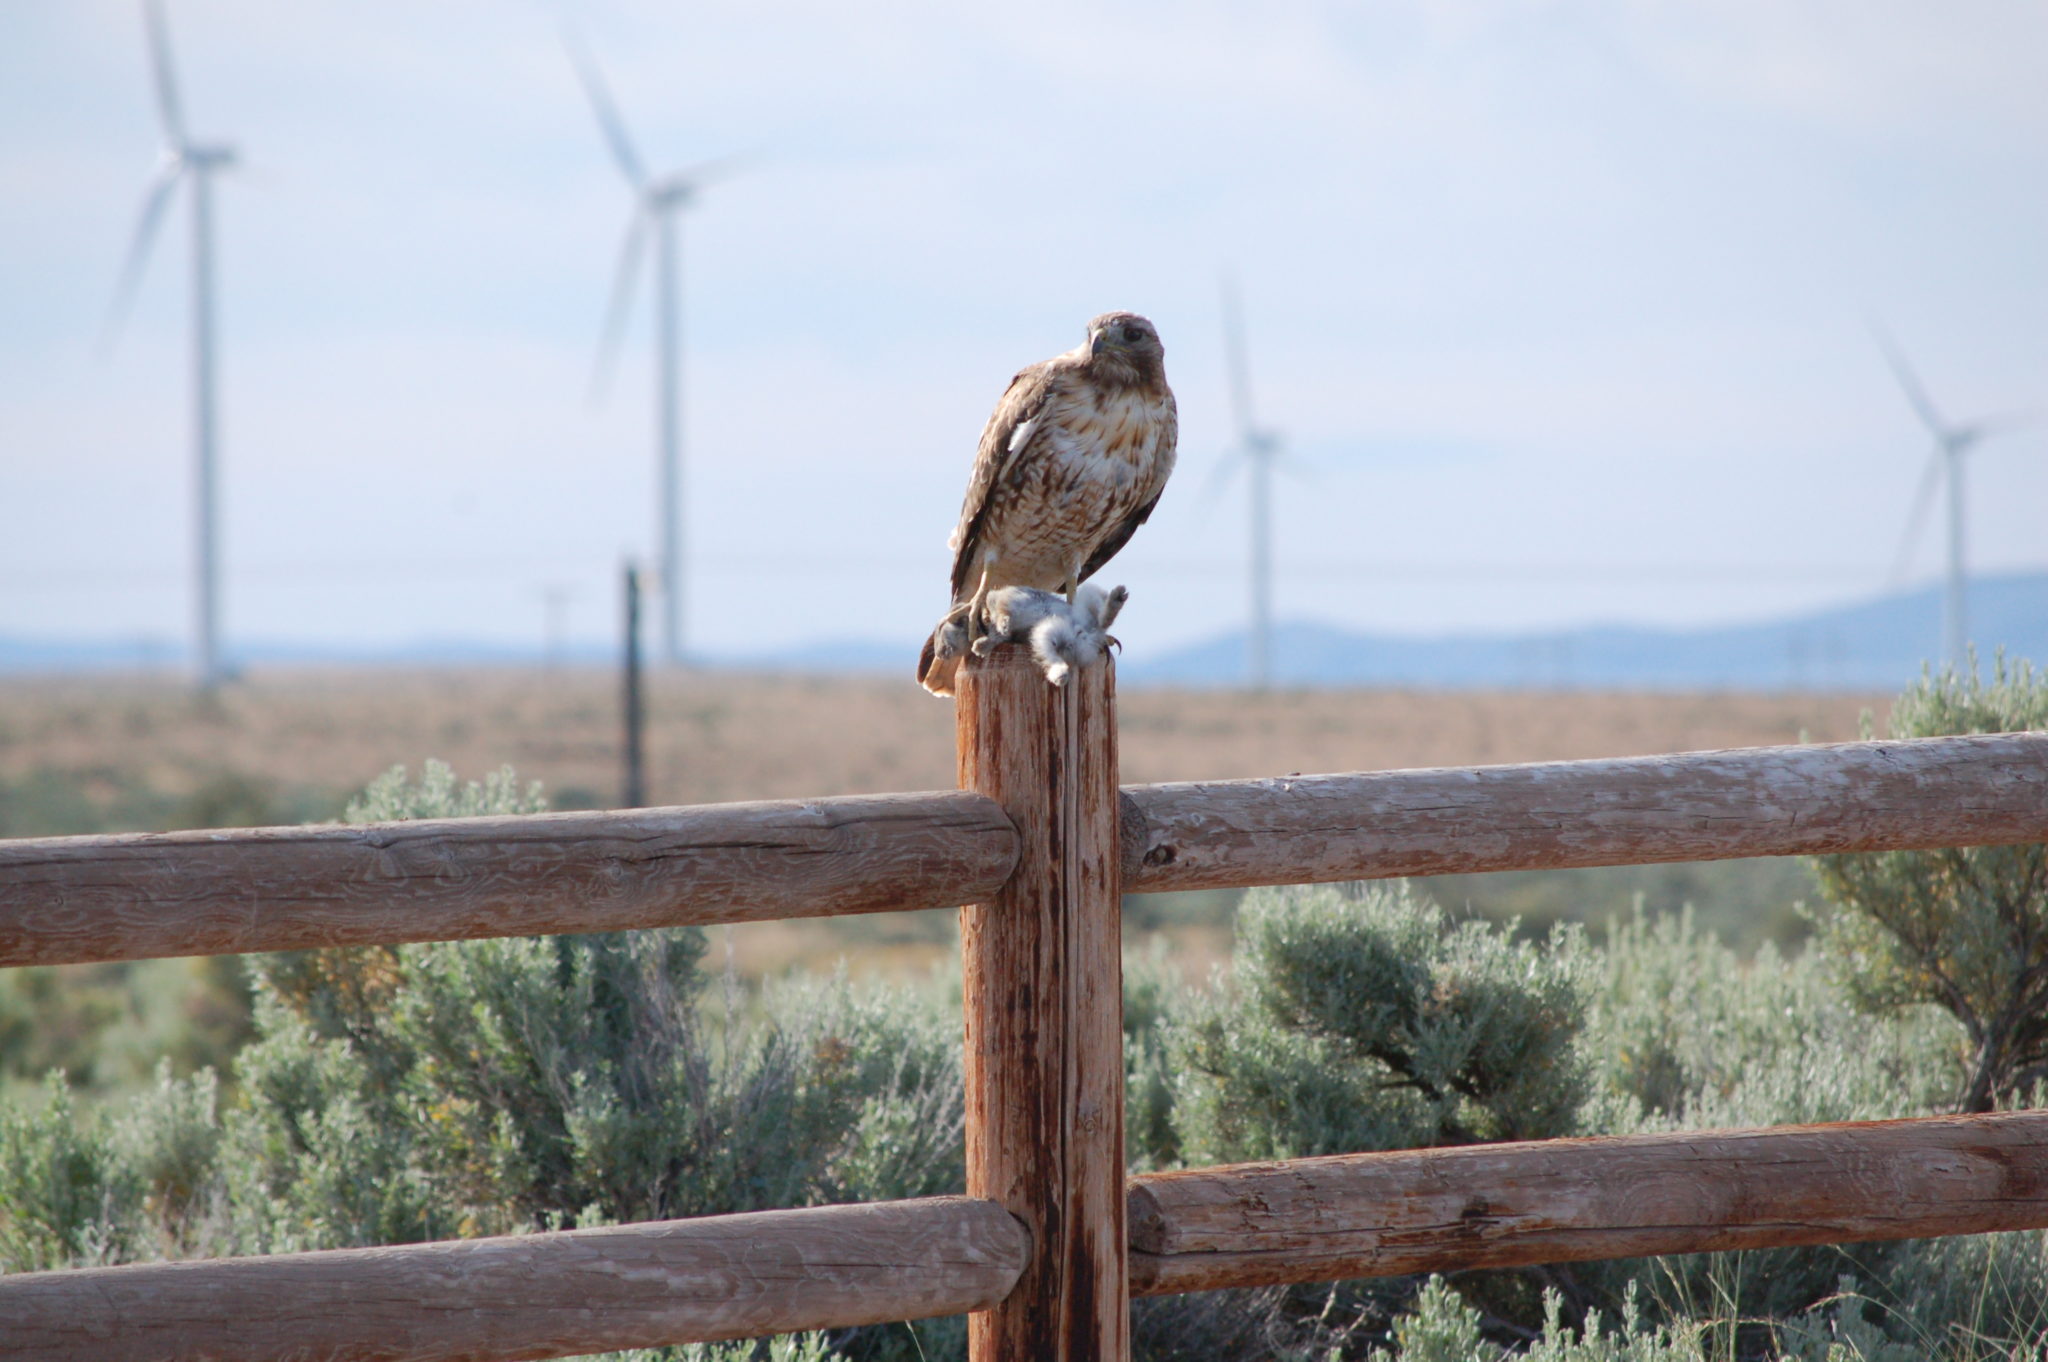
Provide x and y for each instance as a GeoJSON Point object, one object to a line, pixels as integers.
{"type": "Point", "coordinates": [1095, 343]}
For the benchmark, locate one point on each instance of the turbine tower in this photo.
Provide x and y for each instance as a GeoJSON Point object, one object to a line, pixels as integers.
{"type": "Point", "coordinates": [1258, 446]}
{"type": "Point", "coordinates": [188, 159]}
{"type": "Point", "coordinates": [1952, 441]}
{"type": "Point", "coordinates": [657, 201]}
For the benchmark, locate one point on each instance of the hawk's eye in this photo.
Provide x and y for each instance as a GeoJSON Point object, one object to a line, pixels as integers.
{"type": "Point", "coordinates": [1132, 335]}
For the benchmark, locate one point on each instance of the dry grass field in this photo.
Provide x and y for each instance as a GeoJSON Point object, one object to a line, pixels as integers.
{"type": "Point", "coordinates": [107, 754]}
{"type": "Point", "coordinates": [720, 736]}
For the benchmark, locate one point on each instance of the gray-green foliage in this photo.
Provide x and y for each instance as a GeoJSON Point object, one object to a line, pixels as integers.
{"type": "Point", "coordinates": [1367, 1020]}
{"type": "Point", "coordinates": [1687, 1035]}
{"type": "Point", "coordinates": [1964, 928]}
{"type": "Point", "coordinates": [1444, 1327]}
{"type": "Point", "coordinates": [1353, 1019]}
{"type": "Point", "coordinates": [65, 1197]}
{"type": "Point", "coordinates": [1335, 1003]}
{"type": "Point", "coordinates": [1684, 1034]}
{"type": "Point", "coordinates": [439, 794]}
{"type": "Point", "coordinates": [445, 1089]}
{"type": "Point", "coordinates": [431, 1091]}
{"type": "Point", "coordinates": [1151, 991]}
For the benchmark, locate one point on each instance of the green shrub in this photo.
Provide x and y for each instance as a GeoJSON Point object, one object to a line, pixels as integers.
{"type": "Point", "coordinates": [438, 794]}
{"type": "Point", "coordinates": [1965, 928]}
{"type": "Point", "coordinates": [438, 1090]}
{"type": "Point", "coordinates": [1367, 1020]}
{"type": "Point", "coordinates": [65, 1199]}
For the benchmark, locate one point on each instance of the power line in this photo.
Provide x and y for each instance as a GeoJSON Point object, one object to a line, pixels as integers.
{"type": "Point", "coordinates": [43, 579]}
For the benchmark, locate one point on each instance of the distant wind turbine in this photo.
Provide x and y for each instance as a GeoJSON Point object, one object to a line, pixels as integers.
{"type": "Point", "coordinates": [1259, 447]}
{"type": "Point", "coordinates": [656, 203]}
{"type": "Point", "coordinates": [184, 158]}
{"type": "Point", "coordinates": [1951, 442]}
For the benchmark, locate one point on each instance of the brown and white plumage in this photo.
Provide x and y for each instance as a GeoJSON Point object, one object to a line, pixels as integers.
{"type": "Point", "coordinates": [1071, 462]}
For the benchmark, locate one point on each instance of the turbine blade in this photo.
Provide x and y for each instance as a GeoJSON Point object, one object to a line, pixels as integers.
{"type": "Point", "coordinates": [1910, 381]}
{"type": "Point", "coordinates": [608, 120]}
{"type": "Point", "coordinates": [1916, 519]}
{"type": "Point", "coordinates": [155, 199]}
{"type": "Point", "coordinates": [717, 168]}
{"type": "Point", "coordinates": [621, 304]}
{"type": "Point", "coordinates": [166, 80]}
{"type": "Point", "coordinates": [1240, 375]}
{"type": "Point", "coordinates": [2003, 423]}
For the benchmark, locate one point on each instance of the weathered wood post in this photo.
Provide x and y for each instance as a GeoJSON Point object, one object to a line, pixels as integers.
{"type": "Point", "coordinates": [1044, 1007]}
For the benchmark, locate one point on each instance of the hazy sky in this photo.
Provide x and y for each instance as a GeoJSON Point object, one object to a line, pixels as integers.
{"type": "Point", "coordinates": [1561, 307]}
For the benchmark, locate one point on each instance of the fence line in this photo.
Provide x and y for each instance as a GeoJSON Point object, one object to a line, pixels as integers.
{"type": "Point", "coordinates": [1557, 1201]}
{"type": "Point", "coordinates": [1980, 790]}
{"type": "Point", "coordinates": [1040, 849]}
{"type": "Point", "coordinates": [531, 1296]}
{"type": "Point", "coordinates": [135, 896]}
{"type": "Point", "coordinates": [1298, 1220]}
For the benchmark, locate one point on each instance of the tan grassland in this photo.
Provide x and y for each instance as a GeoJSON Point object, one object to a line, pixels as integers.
{"type": "Point", "coordinates": [722, 736]}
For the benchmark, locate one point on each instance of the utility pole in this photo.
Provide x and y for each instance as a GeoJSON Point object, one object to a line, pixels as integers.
{"type": "Point", "coordinates": [633, 793]}
{"type": "Point", "coordinates": [207, 478]}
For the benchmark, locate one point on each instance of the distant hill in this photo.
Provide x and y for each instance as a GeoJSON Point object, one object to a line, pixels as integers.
{"type": "Point", "coordinates": [1879, 644]}
{"type": "Point", "coordinates": [1876, 645]}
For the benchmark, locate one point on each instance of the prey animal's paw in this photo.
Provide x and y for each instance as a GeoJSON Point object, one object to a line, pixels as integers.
{"type": "Point", "coordinates": [1111, 605]}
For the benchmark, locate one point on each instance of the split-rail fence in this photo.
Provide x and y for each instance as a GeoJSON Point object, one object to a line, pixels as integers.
{"type": "Point", "coordinates": [1051, 1239]}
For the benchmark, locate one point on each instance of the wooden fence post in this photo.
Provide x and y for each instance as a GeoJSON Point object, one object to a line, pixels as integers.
{"type": "Point", "coordinates": [1043, 999]}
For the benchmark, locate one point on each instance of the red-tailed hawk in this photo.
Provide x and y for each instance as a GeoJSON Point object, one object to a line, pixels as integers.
{"type": "Point", "coordinates": [1071, 462]}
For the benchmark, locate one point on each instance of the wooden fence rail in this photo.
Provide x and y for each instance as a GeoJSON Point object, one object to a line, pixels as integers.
{"type": "Point", "coordinates": [135, 896]}
{"type": "Point", "coordinates": [530, 1296]}
{"type": "Point", "coordinates": [1300, 1220]}
{"type": "Point", "coordinates": [1557, 1201]}
{"type": "Point", "coordinates": [1692, 806]}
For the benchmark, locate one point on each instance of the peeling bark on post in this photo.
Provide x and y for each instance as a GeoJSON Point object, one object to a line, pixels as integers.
{"type": "Point", "coordinates": [1044, 1008]}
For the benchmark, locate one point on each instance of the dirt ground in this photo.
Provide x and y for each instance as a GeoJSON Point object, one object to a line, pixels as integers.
{"type": "Point", "coordinates": [722, 736]}
{"type": "Point", "coordinates": [313, 737]}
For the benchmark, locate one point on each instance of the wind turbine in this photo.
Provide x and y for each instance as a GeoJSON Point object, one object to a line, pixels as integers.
{"type": "Point", "coordinates": [657, 201]}
{"type": "Point", "coordinates": [186, 158]}
{"type": "Point", "coordinates": [1259, 447]}
{"type": "Point", "coordinates": [1951, 442]}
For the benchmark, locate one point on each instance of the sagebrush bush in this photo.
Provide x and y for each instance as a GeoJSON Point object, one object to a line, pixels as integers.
{"type": "Point", "coordinates": [1964, 928]}
{"type": "Point", "coordinates": [1368, 1020]}
{"type": "Point", "coordinates": [66, 1199]}
{"type": "Point", "coordinates": [400, 1094]}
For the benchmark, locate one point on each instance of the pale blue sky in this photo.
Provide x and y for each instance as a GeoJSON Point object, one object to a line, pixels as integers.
{"type": "Point", "coordinates": [1561, 305]}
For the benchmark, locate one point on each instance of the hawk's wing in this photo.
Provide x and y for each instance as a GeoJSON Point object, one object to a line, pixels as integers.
{"type": "Point", "coordinates": [1121, 535]}
{"type": "Point", "coordinates": [1008, 431]}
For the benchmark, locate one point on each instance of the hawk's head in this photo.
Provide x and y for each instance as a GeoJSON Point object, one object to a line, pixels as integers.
{"type": "Point", "coordinates": [1124, 340]}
